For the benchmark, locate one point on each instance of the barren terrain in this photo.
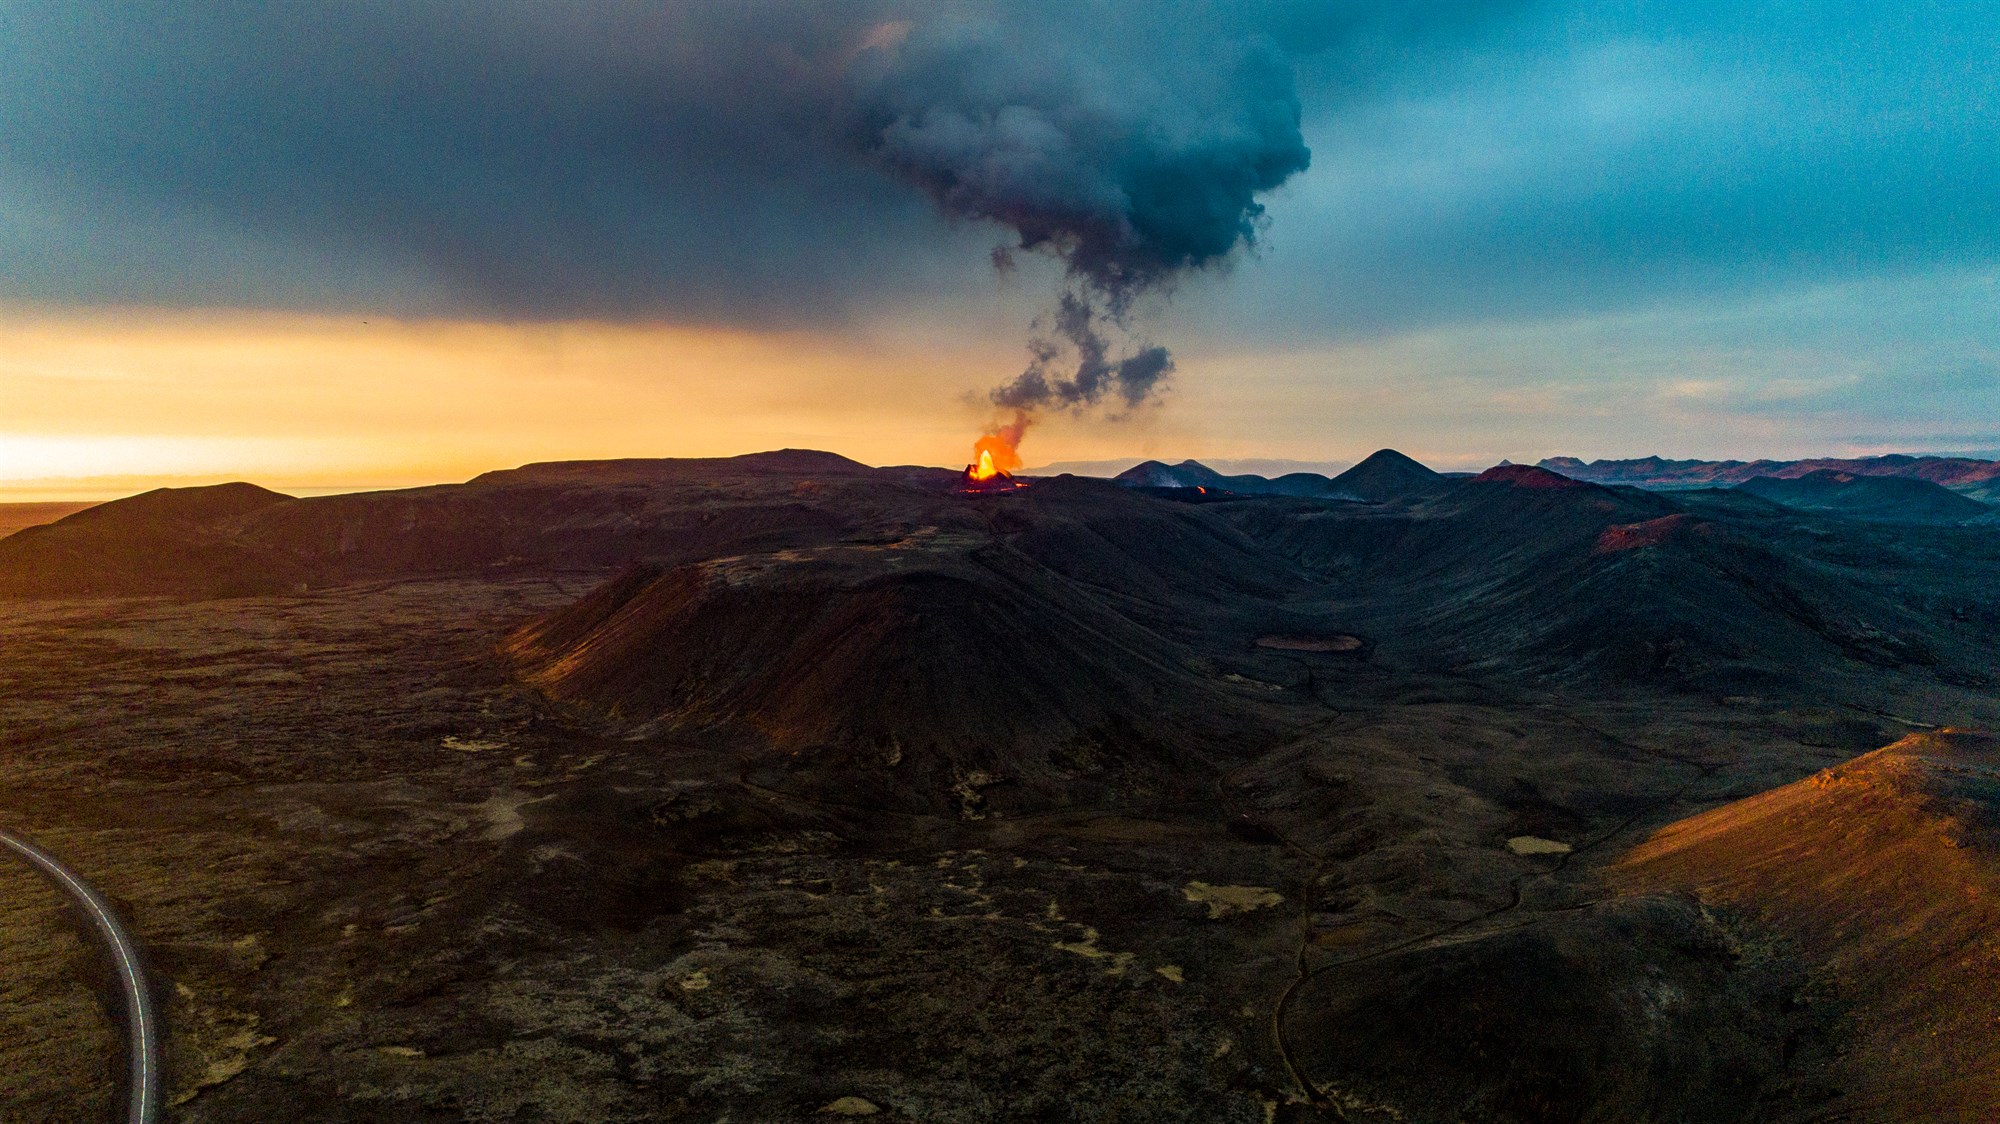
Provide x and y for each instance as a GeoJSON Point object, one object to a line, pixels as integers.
{"type": "Point", "coordinates": [780, 789]}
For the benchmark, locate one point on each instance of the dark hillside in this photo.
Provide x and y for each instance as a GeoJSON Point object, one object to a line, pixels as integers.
{"type": "Point", "coordinates": [1884, 499]}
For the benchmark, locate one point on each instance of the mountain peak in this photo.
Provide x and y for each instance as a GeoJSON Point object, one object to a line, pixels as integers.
{"type": "Point", "coordinates": [1386, 475]}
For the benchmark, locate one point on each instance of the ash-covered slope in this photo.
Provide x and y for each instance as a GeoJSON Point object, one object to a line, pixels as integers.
{"type": "Point", "coordinates": [1884, 499]}
{"type": "Point", "coordinates": [1885, 872]}
{"type": "Point", "coordinates": [1523, 570]}
{"type": "Point", "coordinates": [1043, 658]}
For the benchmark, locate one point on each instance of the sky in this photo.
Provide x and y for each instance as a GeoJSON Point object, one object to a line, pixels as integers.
{"type": "Point", "coordinates": [362, 244]}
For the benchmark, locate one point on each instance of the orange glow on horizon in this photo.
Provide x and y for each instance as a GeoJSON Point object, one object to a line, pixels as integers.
{"type": "Point", "coordinates": [94, 405]}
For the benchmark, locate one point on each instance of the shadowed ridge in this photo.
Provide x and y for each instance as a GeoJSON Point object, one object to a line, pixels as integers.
{"type": "Point", "coordinates": [1882, 499]}
{"type": "Point", "coordinates": [20, 516]}
{"type": "Point", "coordinates": [562, 631]}
{"type": "Point", "coordinates": [1963, 474]}
{"type": "Point", "coordinates": [1155, 474]}
{"type": "Point", "coordinates": [1527, 476]}
{"type": "Point", "coordinates": [919, 685]}
{"type": "Point", "coordinates": [1388, 475]}
{"type": "Point", "coordinates": [1595, 584]}
{"type": "Point", "coordinates": [170, 540]}
{"type": "Point", "coordinates": [1884, 871]}
{"type": "Point", "coordinates": [779, 462]}
{"type": "Point", "coordinates": [1194, 474]}
{"type": "Point", "coordinates": [200, 506]}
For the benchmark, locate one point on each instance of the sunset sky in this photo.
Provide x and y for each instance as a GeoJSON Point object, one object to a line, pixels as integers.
{"type": "Point", "coordinates": [372, 244]}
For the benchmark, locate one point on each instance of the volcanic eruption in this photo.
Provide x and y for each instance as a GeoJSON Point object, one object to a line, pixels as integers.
{"type": "Point", "coordinates": [996, 456]}
{"type": "Point", "coordinates": [1129, 178]}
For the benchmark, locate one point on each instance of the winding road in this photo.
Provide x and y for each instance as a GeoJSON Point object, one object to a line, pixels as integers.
{"type": "Point", "coordinates": [144, 1024]}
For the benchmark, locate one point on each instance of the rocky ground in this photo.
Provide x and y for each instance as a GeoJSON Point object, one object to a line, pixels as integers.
{"type": "Point", "coordinates": [380, 875]}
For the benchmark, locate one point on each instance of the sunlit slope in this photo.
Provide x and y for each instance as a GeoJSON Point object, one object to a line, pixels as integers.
{"type": "Point", "coordinates": [1885, 872]}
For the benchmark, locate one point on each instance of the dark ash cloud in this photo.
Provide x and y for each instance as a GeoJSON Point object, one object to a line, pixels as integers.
{"type": "Point", "coordinates": [1131, 172]}
{"type": "Point", "coordinates": [1128, 381]}
{"type": "Point", "coordinates": [1130, 175]}
{"type": "Point", "coordinates": [744, 162]}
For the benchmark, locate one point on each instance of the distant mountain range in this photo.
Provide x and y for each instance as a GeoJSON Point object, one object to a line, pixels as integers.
{"type": "Point", "coordinates": [1384, 475]}
{"type": "Point", "coordinates": [1889, 489]}
{"type": "Point", "coordinates": [1979, 479]}
{"type": "Point", "coordinates": [1272, 467]}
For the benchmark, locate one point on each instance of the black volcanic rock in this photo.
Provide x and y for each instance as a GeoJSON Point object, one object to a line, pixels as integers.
{"type": "Point", "coordinates": [1535, 1022]}
{"type": "Point", "coordinates": [1076, 801]}
{"type": "Point", "coordinates": [920, 685]}
{"type": "Point", "coordinates": [1884, 499]}
{"type": "Point", "coordinates": [1388, 475]}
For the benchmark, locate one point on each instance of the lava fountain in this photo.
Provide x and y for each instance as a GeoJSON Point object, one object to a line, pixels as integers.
{"type": "Point", "coordinates": [996, 456]}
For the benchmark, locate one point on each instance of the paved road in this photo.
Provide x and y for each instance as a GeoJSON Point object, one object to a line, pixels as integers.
{"type": "Point", "coordinates": [144, 1049]}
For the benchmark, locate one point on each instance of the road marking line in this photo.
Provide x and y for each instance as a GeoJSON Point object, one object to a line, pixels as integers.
{"type": "Point", "coordinates": [144, 1045]}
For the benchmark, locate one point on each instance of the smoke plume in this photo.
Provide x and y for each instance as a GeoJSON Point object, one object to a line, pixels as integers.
{"type": "Point", "coordinates": [1131, 177]}
{"type": "Point", "coordinates": [1097, 377]}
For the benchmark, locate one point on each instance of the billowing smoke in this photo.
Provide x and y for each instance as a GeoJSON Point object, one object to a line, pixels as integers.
{"type": "Point", "coordinates": [1131, 177]}
{"type": "Point", "coordinates": [1130, 380]}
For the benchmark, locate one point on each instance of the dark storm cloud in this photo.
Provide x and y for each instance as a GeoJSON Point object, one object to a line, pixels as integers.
{"type": "Point", "coordinates": [735, 161]}
{"type": "Point", "coordinates": [607, 159]}
{"type": "Point", "coordinates": [779, 163]}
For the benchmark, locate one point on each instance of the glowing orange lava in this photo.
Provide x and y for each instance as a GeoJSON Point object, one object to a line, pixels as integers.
{"type": "Point", "coordinates": [995, 458]}
{"type": "Point", "coordinates": [997, 453]}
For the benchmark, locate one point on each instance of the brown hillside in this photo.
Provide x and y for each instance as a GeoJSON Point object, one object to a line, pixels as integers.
{"type": "Point", "coordinates": [1885, 871]}
{"type": "Point", "coordinates": [17, 516]}
{"type": "Point", "coordinates": [923, 684]}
